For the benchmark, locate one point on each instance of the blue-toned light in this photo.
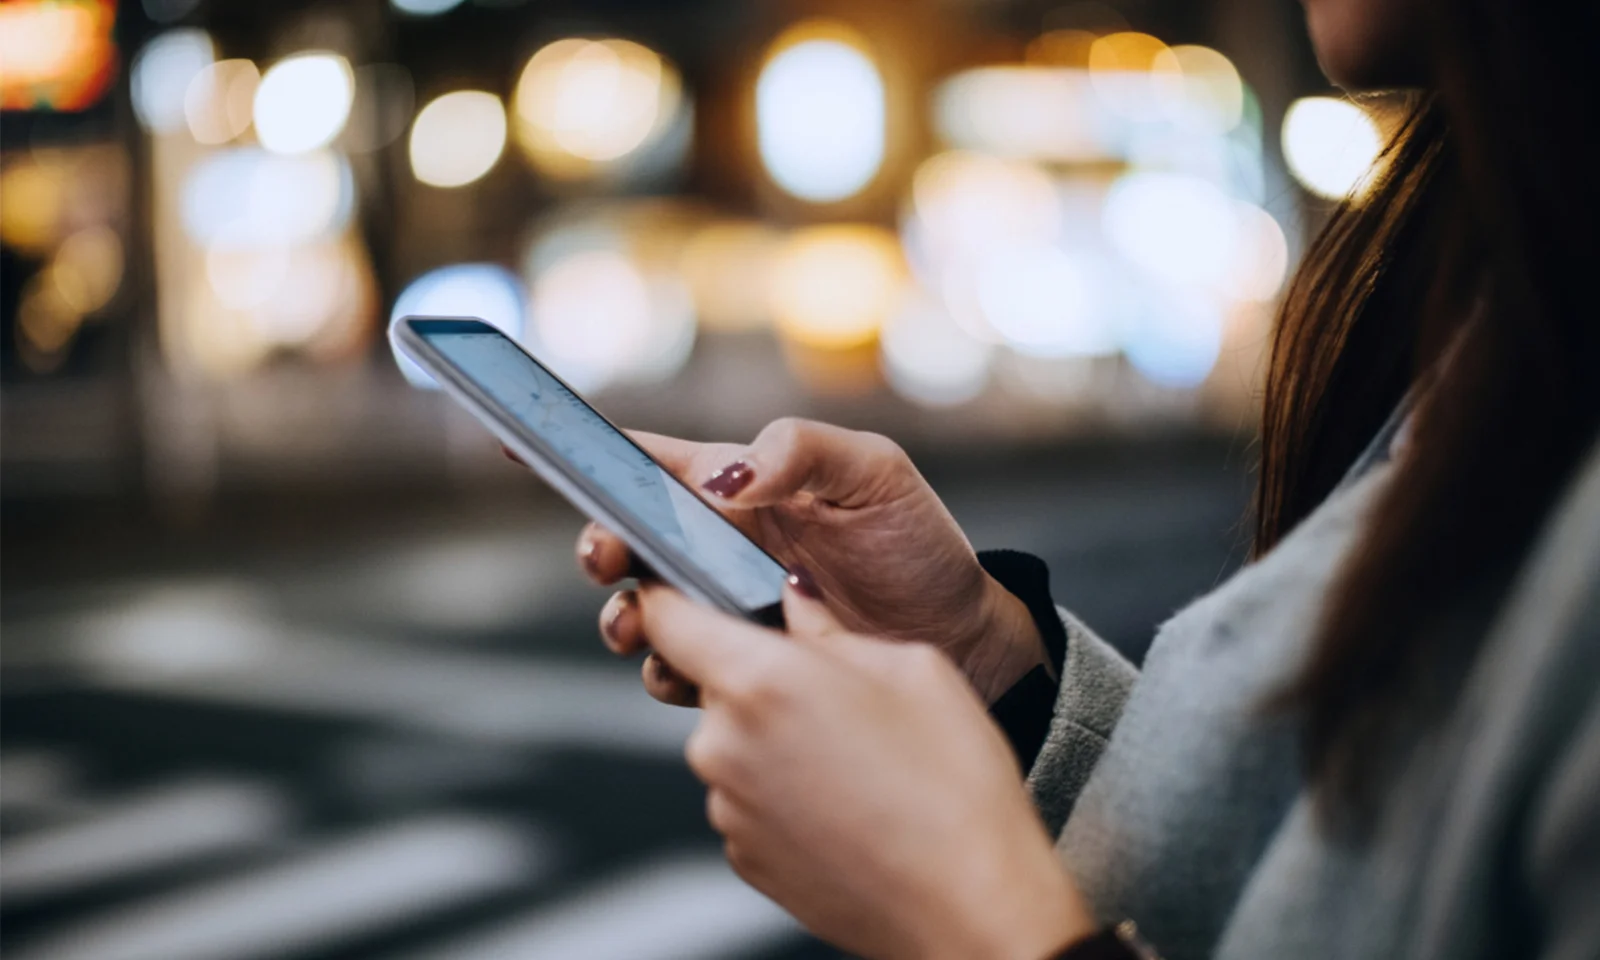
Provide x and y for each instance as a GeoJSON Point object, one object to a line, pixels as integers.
{"type": "Point", "coordinates": [483, 291]}
{"type": "Point", "coordinates": [425, 8]}
{"type": "Point", "coordinates": [1175, 343]}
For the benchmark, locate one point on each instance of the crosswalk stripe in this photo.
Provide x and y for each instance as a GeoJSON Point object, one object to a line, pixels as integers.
{"type": "Point", "coordinates": [342, 889]}
{"type": "Point", "coordinates": [166, 825]}
{"type": "Point", "coordinates": [686, 907]}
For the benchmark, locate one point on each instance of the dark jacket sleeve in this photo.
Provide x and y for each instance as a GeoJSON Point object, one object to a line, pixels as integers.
{"type": "Point", "coordinates": [1024, 711]}
{"type": "Point", "coordinates": [1058, 727]}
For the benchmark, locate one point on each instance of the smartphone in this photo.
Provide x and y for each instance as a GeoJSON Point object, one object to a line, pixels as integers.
{"type": "Point", "coordinates": [580, 453]}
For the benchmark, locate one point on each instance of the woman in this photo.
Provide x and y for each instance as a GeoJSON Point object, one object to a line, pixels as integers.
{"type": "Point", "coordinates": [1380, 738]}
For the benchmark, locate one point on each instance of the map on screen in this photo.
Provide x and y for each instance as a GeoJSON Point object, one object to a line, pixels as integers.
{"type": "Point", "coordinates": [588, 443]}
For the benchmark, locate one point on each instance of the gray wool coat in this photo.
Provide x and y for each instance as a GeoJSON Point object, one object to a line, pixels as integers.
{"type": "Point", "coordinates": [1179, 805]}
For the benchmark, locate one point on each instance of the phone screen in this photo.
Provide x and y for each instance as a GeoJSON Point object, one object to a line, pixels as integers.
{"type": "Point", "coordinates": [588, 443]}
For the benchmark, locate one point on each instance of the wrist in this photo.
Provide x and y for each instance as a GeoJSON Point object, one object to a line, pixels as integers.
{"type": "Point", "coordinates": [1036, 917]}
{"type": "Point", "coordinates": [1006, 646]}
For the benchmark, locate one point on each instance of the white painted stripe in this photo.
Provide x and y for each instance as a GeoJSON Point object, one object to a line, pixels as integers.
{"type": "Point", "coordinates": [690, 907]}
{"type": "Point", "coordinates": [513, 700]}
{"type": "Point", "coordinates": [166, 825]}
{"type": "Point", "coordinates": [356, 885]}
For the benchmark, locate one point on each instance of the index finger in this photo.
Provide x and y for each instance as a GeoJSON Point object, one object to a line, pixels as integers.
{"type": "Point", "coordinates": [703, 644]}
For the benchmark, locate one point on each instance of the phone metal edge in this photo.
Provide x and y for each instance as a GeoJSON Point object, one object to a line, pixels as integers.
{"type": "Point", "coordinates": [550, 469]}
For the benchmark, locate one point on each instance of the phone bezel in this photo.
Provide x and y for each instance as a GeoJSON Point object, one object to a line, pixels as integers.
{"type": "Point", "coordinates": [663, 559]}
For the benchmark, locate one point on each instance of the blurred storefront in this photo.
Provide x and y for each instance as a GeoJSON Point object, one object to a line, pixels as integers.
{"type": "Point", "coordinates": [957, 222]}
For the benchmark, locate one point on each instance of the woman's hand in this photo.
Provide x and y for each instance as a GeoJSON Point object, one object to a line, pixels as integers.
{"type": "Point", "coordinates": [851, 510]}
{"type": "Point", "coordinates": [861, 785]}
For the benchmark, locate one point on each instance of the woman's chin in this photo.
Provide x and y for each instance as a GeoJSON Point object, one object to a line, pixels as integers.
{"type": "Point", "coordinates": [1365, 52]}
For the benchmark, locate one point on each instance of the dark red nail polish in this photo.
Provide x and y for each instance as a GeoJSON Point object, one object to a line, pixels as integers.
{"type": "Point", "coordinates": [800, 579]}
{"type": "Point", "coordinates": [728, 481]}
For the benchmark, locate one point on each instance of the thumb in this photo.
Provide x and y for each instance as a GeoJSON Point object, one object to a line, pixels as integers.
{"type": "Point", "coordinates": [846, 468]}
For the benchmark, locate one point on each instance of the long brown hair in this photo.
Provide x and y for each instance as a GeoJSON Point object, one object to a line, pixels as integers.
{"type": "Point", "coordinates": [1480, 239]}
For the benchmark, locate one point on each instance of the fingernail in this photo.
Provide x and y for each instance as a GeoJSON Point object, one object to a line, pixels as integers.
{"type": "Point", "coordinates": [728, 481]}
{"type": "Point", "coordinates": [586, 553]}
{"type": "Point", "coordinates": [800, 579]}
{"type": "Point", "coordinates": [619, 605]}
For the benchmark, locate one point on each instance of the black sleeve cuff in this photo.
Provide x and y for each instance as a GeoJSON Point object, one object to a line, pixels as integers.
{"type": "Point", "coordinates": [1024, 712]}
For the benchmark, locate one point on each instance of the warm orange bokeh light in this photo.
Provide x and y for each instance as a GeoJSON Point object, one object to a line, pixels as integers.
{"type": "Point", "coordinates": [56, 55]}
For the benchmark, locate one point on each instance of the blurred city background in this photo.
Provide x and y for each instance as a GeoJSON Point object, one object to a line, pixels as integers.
{"type": "Point", "coordinates": [295, 665]}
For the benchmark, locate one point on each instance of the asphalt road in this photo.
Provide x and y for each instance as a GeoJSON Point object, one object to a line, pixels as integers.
{"type": "Point", "coordinates": [374, 731]}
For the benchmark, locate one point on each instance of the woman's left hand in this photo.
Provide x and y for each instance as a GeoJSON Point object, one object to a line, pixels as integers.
{"type": "Point", "coordinates": [861, 784]}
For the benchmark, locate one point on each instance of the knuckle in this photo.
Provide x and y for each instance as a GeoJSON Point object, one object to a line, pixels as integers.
{"type": "Point", "coordinates": [923, 661]}
{"type": "Point", "coordinates": [756, 687]}
{"type": "Point", "coordinates": [785, 433]}
{"type": "Point", "coordinates": [718, 812]}
{"type": "Point", "coordinates": [703, 754]}
{"type": "Point", "coordinates": [879, 445]}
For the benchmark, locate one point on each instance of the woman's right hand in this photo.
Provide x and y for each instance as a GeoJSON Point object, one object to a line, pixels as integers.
{"type": "Point", "coordinates": [848, 510]}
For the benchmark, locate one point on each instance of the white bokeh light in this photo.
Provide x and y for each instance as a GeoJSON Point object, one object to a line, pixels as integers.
{"type": "Point", "coordinates": [246, 197]}
{"type": "Point", "coordinates": [820, 119]}
{"type": "Point", "coordinates": [161, 75]}
{"type": "Point", "coordinates": [1044, 303]}
{"type": "Point", "coordinates": [485, 291]}
{"type": "Point", "coordinates": [929, 359]}
{"type": "Point", "coordinates": [1179, 229]}
{"type": "Point", "coordinates": [598, 319]}
{"type": "Point", "coordinates": [1174, 342]}
{"type": "Point", "coordinates": [458, 138]}
{"type": "Point", "coordinates": [1330, 145]}
{"type": "Point", "coordinates": [303, 102]}
{"type": "Point", "coordinates": [1261, 259]}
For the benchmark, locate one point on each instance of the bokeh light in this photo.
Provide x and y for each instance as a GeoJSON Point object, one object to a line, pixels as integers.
{"type": "Point", "coordinates": [820, 114]}
{"type": "Point", "coordinates": [33, 198]}
{"type": "Point", "coordinates": [1174, 342]}
{"type": "Point", "coordinates": [584, 106]}
{"type": "Point", "coordinates": [928, 358]}
{"type": "Point", "coordinates": [246, 197]}
{"type": "Point", "coordinates": [87, 268]}
{"type": "Point", "coordinates": [246, 277]}
{"type": "Point", "coordinates": [729, 266]}
{"type": "Point", "coordinates": [425, 8]}
{"type": "Point", "coordinates": [1122, 67]}
{"type": "Point", "coordinates": [303, 102]}
{"type": "Point", "coordinates": [458, 138]}
{"type": "Point", "coordinates": [56, 56]}
{"type": "Point", "coordinates": [1043, 302]}
{"type": "Point", "coordinates": [1031, 113]}
{"type": "Point", "coordinates": [599, 318]}
{"type": "Point", "coordinates": [46, 324]}
{"type": "Point", "coordinates": [486, 291]}
{"type": "Point", "coordinates": [219, 101]}
{"type": "Point", "coordinates": [161, 75]}
{"type": "Point", "coordinates": [835, 286]}
{"type": "Point", "coordinates": [1177, 228]}
{"type": "Point", "coordinates": [1061, 48]}
{"type": "Point", "coordinates": [1330, 145]}
{"type": "Point", "coordinates": [327, 307]}
{"type": "Point", "coordinates": [1261, 260]}
{"type": "Point", "coordinates": [968, 205]}
{"type": "Point", "coordinates": [1202, 84]}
